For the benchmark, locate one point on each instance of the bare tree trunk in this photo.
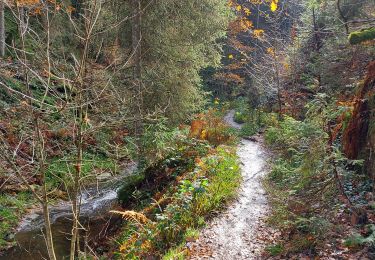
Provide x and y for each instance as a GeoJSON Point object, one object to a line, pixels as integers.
{"type": "Point", "coordinates": [137, 69]}
{"type": "Point", "coordinates": [2, 29]}
{"type": "Point", "coordinates": [279, 101]}
{"type": "Point", "coordinates": [81, 114]}
{"type": "Point", "coordinates": [344, 19]}
{"type": "Point", "coordinates": [316, 32]}
{"type": "Point", "coordinates": [39, 141]}
{"type": "Point", "coordinates": [74, 245]}
{"type": "Point", "coordinates": [278, 84]}
{"type": "Point", "coordinates": [21, 17]}
{"type": "Point", "coordinates": [45, 202]}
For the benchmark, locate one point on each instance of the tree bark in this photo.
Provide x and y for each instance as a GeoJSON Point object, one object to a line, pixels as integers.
{"type": "Point", "coordinates": [2, 29]}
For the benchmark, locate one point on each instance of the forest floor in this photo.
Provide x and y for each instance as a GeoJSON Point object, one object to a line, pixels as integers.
{"type": "Point", "coordinates": [239, 232]}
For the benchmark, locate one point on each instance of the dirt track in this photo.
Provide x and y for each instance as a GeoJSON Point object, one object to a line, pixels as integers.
{"type": "Point", "coordinates": [234, 234]}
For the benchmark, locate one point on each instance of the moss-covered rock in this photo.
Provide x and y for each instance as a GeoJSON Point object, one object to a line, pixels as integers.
{"type": "Point", "coordinates": [362, 36]}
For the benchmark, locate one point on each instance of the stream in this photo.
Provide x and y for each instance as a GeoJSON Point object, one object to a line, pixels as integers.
{"type": "Point", "coordinates": [234, 233]}
{"type": "Point", "coordinates": [96, 202]}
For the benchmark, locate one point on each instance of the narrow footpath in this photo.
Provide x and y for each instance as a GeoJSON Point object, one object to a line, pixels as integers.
{"type": "Point", "coordinates": [236, 233]}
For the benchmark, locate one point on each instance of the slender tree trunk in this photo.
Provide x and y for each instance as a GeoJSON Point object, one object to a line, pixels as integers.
{"type": "Point", "coordinates": [39, 141]}
{"type": "Point", "coordinates": [81, 114]}
{"type": "Point", "coordinates": [45, 202]}
{"type": "Point", "coordinates": [316, 32]}
{"type": "Point", "coordinates": [74, 246]}
{"type": "Point", "coordinates": [278, 84]}
{"type": "Point", "coordinates": [22, 18]}
{"type": "Point", "coordinates": [137, 69]}
{"type": "Point", "coordinates": [2, 29]}
{"type": "Point", "coordinates": [343, 17]}
{"type": "Point", "coordinates": [318, 44]}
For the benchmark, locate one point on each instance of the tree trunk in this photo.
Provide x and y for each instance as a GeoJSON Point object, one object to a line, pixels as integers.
{"type": "Point", "coordinates": [316, 32]}
{"type": "Point", "coordinates": [342, 15]}
{"type": "Point", "coordinates": [22, 22]}
{"type": "Point", "coordinates": [137, 68]}
{"type": "Point", "coordinates": [2, 29]}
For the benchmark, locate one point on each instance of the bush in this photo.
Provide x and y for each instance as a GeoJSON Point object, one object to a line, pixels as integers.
{"type": "Point", "coordinates": [274, 250]}
{"type": "Point", "coordinates": [211, 127]}
{"type": "Point", "coordinates": [293, 133]}
{"type": "Point", "coordinates": [249, 129]}
{"type": "Point", "coordinates": [357, 240]}
{"type": "Point", "coordinates": [240, 117]}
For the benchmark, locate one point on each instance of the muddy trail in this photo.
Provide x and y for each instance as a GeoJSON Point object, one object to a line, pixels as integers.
{"type": "Point", "coordinates": [238, 232]}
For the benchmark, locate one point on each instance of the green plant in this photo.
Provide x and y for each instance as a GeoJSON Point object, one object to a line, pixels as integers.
{"type": "Point", "coordinates": [11, 209]}
{"type": "Point", "coordinates": [274, 250]}
{"type": "Point", "coordinates": [249, 129]}
{"type": "Point", "coordinates": [59, 169]}
{"type": "Point", "coordinates": [240, 117]}
{"type": "Point", "coordinates": [357, 240]}
{"type": "Point", "coordinates": [362, 36]}
{"type": "Point", "coordinates": [158, 140]}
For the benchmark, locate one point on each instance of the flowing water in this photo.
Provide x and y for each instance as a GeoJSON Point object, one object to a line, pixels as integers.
{"type": "Point", "coordinates": [96, 202]}
{"type": "Point", "coordinates": [234, 234]}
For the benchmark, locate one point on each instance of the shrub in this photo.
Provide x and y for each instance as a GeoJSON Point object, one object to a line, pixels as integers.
{"type": "Point", "coordinates": [249, 129]}
{"type": "Point", "coordinates": [240, 117]}
{"type": "Point", "coordinates": [274, 250]}
{"type": "Point", "coordinates": [211, 127]}
{"type": "Point", "coordinates": [302, 147]}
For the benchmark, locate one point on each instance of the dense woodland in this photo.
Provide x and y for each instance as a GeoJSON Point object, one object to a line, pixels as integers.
{"type": "Point", "coordinates": [115, 141]}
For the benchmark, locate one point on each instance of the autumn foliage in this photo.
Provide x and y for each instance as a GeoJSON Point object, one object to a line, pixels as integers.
{"type": "Point", "coordinates": [211, 127]}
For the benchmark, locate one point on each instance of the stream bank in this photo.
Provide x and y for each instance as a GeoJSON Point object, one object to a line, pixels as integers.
{"type": "Point", "coordinates": [96, 202]}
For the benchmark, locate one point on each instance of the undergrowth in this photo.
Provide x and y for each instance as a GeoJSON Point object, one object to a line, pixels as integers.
{"type": "Point", "coordinates": [305, 179]}
{"type": "Point", "coordinates": [182, 206]}
{"type": "Point", "coordinates": [299, 184]}
{"type": "Point", "coordinates": [12, 207]}
{"type": "Point", "coordinates": [177, 194]}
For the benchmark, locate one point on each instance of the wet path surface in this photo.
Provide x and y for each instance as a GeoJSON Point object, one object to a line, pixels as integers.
{"type": "Point", "coordinates": [234, 234]}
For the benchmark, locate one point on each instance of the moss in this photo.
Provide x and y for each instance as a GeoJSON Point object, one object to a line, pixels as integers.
{"type": "Point", "coordinates": [362, 36]}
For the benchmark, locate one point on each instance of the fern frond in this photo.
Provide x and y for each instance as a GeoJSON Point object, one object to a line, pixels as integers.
{"type": "Point", "coordinates": [132, 216]}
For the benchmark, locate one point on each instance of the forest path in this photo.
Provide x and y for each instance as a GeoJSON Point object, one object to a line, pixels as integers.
{"type": "Point", "coordinates": [235, 233]}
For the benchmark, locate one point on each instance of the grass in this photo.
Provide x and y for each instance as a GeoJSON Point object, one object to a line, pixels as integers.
{"type": "Point", "coordinates": [274, 250]}
{"type": "Point", "coordinates": [180, 251]}
{"type": "Point", "coordinates": [248, 129]}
